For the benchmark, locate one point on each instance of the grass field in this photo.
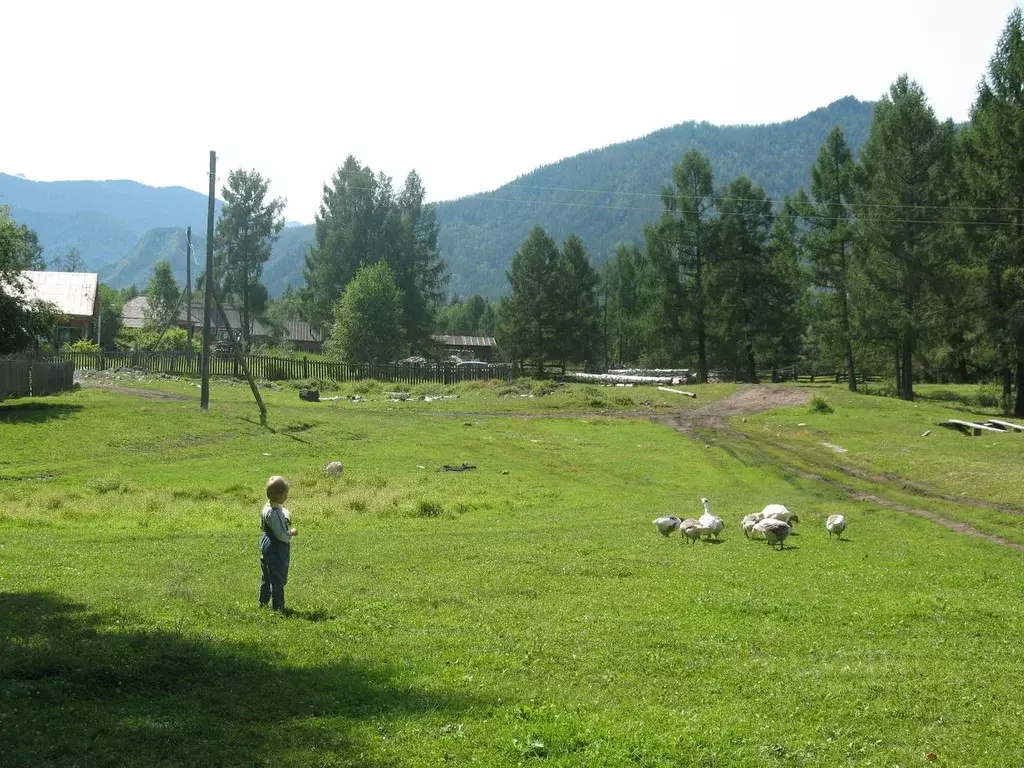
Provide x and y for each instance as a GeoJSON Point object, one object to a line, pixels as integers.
{"type": "Point", "coordinates": [533, 617]}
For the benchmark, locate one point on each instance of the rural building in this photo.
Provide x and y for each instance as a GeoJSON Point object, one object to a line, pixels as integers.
{"type": "Point", "coordinates": [465, 347]}
{"type": "Point", "coordinates": [297, 333]}
{"type": "Point", "coordinates": [76, 297]}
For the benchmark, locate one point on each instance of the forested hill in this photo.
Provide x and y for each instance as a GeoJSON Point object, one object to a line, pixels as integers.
{"type": "Point", "coordinates": [103, 220]}
{"type": "Point", "coordinates": [606, 195]}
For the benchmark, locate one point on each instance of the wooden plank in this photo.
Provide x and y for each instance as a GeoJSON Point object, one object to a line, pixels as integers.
{"type": "Point", "coordinates": [975, 429]}
{"type": "Point", "coordinates": [677, 391]}
{"type": "Point", "coordinates": [1006, 425]}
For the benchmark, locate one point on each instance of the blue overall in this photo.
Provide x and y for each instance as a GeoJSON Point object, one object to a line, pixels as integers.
{"type": "Point", "coordinates": [274, 557]}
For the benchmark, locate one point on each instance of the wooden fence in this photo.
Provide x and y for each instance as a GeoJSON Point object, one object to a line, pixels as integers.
{"type": "Point", "coordinates": [14, 378]}
{"type": "Point", "coordinates": [23, 377]}
{"type": "Point", "coordinates": [286, 369]}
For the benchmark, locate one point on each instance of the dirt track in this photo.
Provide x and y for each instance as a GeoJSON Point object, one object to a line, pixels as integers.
{"type": "Point", "coordinates": [750, 399]}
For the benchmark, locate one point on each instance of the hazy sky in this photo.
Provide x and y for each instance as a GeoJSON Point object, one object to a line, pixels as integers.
{"type": "Point", "coordinates": [471, 94]}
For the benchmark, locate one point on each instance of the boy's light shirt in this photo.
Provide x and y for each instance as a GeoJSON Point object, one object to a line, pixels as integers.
{"type": "Point", "coordinates": [278, 521]}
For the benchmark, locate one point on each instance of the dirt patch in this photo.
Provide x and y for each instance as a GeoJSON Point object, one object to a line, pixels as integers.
{"type": "Point", "coordinates": [754, 398]}
{"type": "Point", "coordinates": [150, 394]}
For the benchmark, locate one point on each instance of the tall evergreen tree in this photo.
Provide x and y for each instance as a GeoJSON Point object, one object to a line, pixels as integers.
{"type": "Point", "coordinates": [350, 232]}
{"type": "Point", "coordinates": [528, 314]}
{"type": "Point", "coordinates": [246, 231]}
{"type": "Point", "coordinates": [903, 193]}
{"type": "Point", "coordinates": [576, 328]}
{"type": "Point", "coordinates": [629, 283]}
{"type": "Point", "coordinates": [362, 221]}
{"type": "Point", "coordinates": [829, 240]}
{"type": "Point", "coordinates": [415, 259]}
{"type": "Point", "coordinates": [687, 227]}
{"type": "Point", "coordinates": [994, 170]}
{"type": "Point", "coordinates": [742, 278]}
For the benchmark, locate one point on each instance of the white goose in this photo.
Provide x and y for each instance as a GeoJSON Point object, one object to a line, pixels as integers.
{"type": "Point", "coordinates": [779, 512]}
{"type": "Point", "coordinates": [667, 525]}
{"type": "Point", "coordinates": [835, 524]}
{"type": "Point", "coordinates": [712, 524]}
{"type": "Point", "coordinates": [691, 529]}
{"type": "Point", "coordinates": [774, 530]}
{"type": "Point", "coordinates": [749, 521]}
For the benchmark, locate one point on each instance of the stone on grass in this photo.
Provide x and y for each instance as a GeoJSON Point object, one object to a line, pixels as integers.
{"type": "Point", "coordinates": [334, 468]}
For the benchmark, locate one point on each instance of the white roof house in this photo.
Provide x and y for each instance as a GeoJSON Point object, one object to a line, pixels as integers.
{"type": "Point", "coordinates": [73, 293]}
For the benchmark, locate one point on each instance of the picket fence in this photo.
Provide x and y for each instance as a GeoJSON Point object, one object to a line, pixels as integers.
{"type": "Point", "coordinates": [22, 377]}
{"type": "Point", "coordinates": [286, 369]}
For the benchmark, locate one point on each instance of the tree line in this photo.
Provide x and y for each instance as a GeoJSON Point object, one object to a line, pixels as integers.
{"type": "Point", "coordinates": [908, 259]}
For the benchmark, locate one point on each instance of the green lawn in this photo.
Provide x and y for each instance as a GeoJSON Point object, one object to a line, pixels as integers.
{"type": "Point", "coordinates": [887, 436]}
{"type": "Point", "coordinates": [480, 617]}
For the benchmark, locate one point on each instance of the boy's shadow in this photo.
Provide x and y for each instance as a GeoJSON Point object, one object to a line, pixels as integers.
{"type": "Point", "coordinates": [89, 694]}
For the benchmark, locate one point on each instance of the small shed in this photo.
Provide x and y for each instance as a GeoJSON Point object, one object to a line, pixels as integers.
{"type": "Point", "coordinates": [76, 297]}
{"type": "Point", "coordinates": [466, 347]}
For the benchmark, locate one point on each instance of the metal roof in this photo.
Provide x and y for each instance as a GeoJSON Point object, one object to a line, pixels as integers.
{"type": "Point", "coordinates": [73, 293]}
{"type": "Point", "coordinates": [465, 341]}
{"type": "Point", "coordinates": [134, 314]}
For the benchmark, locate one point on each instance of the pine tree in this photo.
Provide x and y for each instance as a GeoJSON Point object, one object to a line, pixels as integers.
{"type": "Point", "coordinates": [350, 232]}
{"type": "Point", "coordinates": [629, 283]}
{"type": "Point", "coordinates": [246, 231]}
{"type": "Point", "coordinates": [415, 259]}
{"type": "Point", "coordinates": [742, 276]}
{"type": "Point", "coordinates": [362, 221]}
{"type": "Point", "coordinates": [528, 314]}
{"type": "Point", "coordinates": [829, 240]}
{"type": "Point", "coordinates": [576, 330]}
{"type": "Point", "coordinates": [688, 251]}
{"type": "Point", "coordinates": [994, 173]}
{"type": "Point", "coordinates": [903, 193]}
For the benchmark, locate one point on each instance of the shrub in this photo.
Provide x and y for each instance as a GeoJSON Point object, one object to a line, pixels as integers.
{"type": "Point", "coordinates": [428, 509]}
{"type": "Point", "coordinates": [82, 345]}
{"type": "Point", "coordinates": [990, 396]}
{"type": "Point", "coordinates": [821, 405]}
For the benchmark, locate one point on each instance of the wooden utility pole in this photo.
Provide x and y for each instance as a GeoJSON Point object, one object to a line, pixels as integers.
{"type": "Point", "coordinates": [188, 285]}
{"type": "Point", "coordinates": [240, 356]}
{"type": "Point", "coordinates": [204, 397]}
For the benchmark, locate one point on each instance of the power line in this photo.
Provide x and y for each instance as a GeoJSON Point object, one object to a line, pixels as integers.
{"type": "Point", "coordinates": [659, 196]}
{"type": "Point", "coordinates": [816, 217]}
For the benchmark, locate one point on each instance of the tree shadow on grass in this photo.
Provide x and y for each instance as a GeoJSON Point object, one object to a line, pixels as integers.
{"type": "Point", "coordinates": [36, 412]}
{"type": "Point", "coordinates": [75, 690]}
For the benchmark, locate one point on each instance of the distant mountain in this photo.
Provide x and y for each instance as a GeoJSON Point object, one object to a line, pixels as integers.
{"type": "Point", "coordinates": [136, 266]}
{"type": "Point", "coordinates": [102, 219]}
{"type": "Point", "coordinates": [122, 228]}
{"type": "Point", "coordinates": [605, 196]}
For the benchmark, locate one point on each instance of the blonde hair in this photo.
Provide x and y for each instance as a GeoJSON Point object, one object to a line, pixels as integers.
{"type": "Point", "coordinates": [277, 488]}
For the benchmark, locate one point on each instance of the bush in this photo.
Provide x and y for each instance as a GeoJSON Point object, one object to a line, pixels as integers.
{"type": "Point", "coordinates": [82, 345]}
{"type": "Point", "coordinates": [885, 388]}
{"type": "Point", "coordinates": [990, 396]}
{"type": "Point", "coordinates": [821, 405]}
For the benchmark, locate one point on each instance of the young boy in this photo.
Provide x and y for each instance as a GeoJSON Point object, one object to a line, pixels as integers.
{"type": "Point", "coordinates": [275, 544]}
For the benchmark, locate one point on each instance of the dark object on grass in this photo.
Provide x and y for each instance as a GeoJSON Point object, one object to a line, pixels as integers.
{"type": "Point", "coordinates": [458, 468]}
{"type": "Point", "coordinates": [312, 395]}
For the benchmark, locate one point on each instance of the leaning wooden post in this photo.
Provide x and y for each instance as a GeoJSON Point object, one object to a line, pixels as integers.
{"type": "Point", "coordinates": [240, 357]}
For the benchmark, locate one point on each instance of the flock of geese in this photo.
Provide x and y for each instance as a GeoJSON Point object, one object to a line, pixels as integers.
{"type": "Point", "coordinates": [772, 524]}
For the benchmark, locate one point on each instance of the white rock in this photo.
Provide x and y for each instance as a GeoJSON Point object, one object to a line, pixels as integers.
{"type": "Point", "coordinates": [334, 468]}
